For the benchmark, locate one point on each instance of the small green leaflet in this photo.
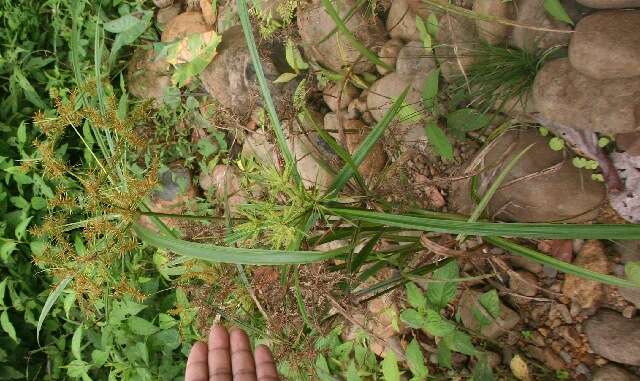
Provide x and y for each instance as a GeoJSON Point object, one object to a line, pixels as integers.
{"type": "Point", "coordinates": [407, 112]}
{"type": "Point", "coordinates": [412, 318]}
{"type": "Point", "coordinates": [556, 144]}
{"type": "Point", "coordinates": [438, 139]}
{"type": "Point", "coordinates": [482, 370]}
{"type": "Point", "coordinates": [436, 325]}
{"type": "Point", "coordinates": [430, 91]}
{"type": "Point", "coordinates": [6, 325]}
{"type": "Point", "coordinates": [121, 24]}
{"type": "Point", "coordinates": [415, 297]}
{"type": "Point", "coordinates": [632, 272]}
{"type": "Point", "coordinates": [127, 28]}
{"type": "Point", "coordinates": [390, 370]}
{"type": "Point", "coordinates": [491, 302]}
{"type": "Point", "coordinates": [466, 120]}
{"type": "Point", "coordinates": [294, 58]}
{"type": "Point", "coordinates": [352, 372]}
{"type": "Point", "coordinates": [415, 360]}
{"type": "Point", "coordinates": [556, 10]}
{"type": "Point", "coordinates": [432, 24]}
{"type": "Point", "coordinates": [460, 342]}
{"type": "Point", "coordinates": [141, 327]}
{"type": "Point", "coordinates": [444, 354]}
{"type": "Point", "coordinates": [29, 92]}
{"type": "Point", "coordinates": [424, 34]}
{"type": "Point", "coordinates": [190, 55]}
{"type": "Point", "coordinates": [76, 342]}
{"type": "Point", "coordinates": [439, 294]}
{"type": "Point", "coordinates": [285, 77]}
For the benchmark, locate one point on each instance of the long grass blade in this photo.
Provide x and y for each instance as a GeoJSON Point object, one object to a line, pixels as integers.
{"type": "Point", "coordinates": [367, 144]}
{"type": "Point", "coordinates": [522, 230]}
{"type": "Point", "coordinates": [558, 264]}
{"type": "Point", "coordinates": [221, 254]}
{"type": "Point", "coordinates": [368, 54]}
{"type": "Point", "coordinates": [51, 300]}
{"type": "Point", "coordinates": [243, 13]}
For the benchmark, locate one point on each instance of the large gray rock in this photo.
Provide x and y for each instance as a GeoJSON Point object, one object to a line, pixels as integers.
{"type": "Point", "coordinates": [489, 31]}
{"type": "Point", "coordinates": [532, 12]}
{"type": "Point", "coordinates": [231, 79]}
{"type": "Point", "coordinates": [470, 309]}
{"type": "Point", "coordinates": [543, 186]}
{"type": "Point", "coordinates": [610, 4]}
{"type": "Point", "coordinates": [614, 337]}
{"type": "Point", "coordinates": [457, 43]}
{"type": "Point", "coordinates": [569, 98]}
{"type": "Point", "coordinates": [336, 51]}
{"type": "Point", "coordinates": [414, 59]}
{"type": "Point", "coordinates": [613, 373]}
{"type": "Point", "coordinates": [606, 45]}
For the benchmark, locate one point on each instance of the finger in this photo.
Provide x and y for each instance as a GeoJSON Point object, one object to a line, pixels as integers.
{"type": "Point", "coordinates": [265, 367]}
{"type": "Point", "coordinates": [197, 367]}
{"type": "Point", "coordinates": [219, 355]}
{"type": "Point", "coordinates": [242, 363]}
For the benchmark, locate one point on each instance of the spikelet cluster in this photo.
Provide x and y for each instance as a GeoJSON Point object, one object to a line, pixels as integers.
{"type": "Point", "coordinates": [87, 229]}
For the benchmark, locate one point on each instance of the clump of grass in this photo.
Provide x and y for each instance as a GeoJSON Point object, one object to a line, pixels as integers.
{"type": "Point", "coordinates": [502, 75]}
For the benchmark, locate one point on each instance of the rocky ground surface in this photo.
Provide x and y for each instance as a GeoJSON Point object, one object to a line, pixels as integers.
{"type": "Point", "coordinates": [591, 92]}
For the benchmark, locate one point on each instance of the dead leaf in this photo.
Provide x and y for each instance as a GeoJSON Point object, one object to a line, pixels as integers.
{"type": "Point", "coordinates": [519, 368]}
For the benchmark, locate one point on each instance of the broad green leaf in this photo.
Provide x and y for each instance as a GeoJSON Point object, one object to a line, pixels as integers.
{"type": "Point", "coordinates": [98, 358]}
{"type": "Point", "coordinates": [21, 133]}
{"type": "Point", "coordinates": [556, 10]}
{"type": "Point", "coordinates": [352, 372]}
{"type": "Point", "coordinates": [491, 302]}
{"type": "Point", "coordinates": [390, 370]}
{"type": "Point", "coordinates": [432, 24]}
{"type": "Point", "coordinates": [7, 326]}
{"type": "Point", "coordinates": [322, 368]}
{"type": "Point", "coordinates": [76, 342]}
{"type": "Point", "coordinates": [436, 325]}
{"type": "Point", "coordinates": [439, 294]}
{"type": "Point", "coordinates": [425, 37]}
{"type": "Point", "coordinates": [430, 90]}
{"type": "Point", "coordinates": [415, 297]}
{"type": "Point", "coordinates": [439, 140]}
{"type": "Point", "coordinates": [444, 354]}
{"type": "Point", "coordinates": [29, 92]}
{"type": "Point", "coordinates": [466, 120]}
{"type": "Point", "coordinates": [51, 300]}
{"type": "Point", "coordinates": [224, 254]}
{"type": "Point", "coordinates": [285, 77]}
{"type": "Point", "coordinates": [123, 23]}
{"type": "Point", "coordinates": [130, 35]}
{"type": "Point", "coordinates": [416, 362]}
{"type": "Point", "coordinates": [482, 370]}
{"type": "Point", "coordinates": [460, 342]}
{"type": "Point", "coordinates": [294, 58]}
{"type": "Point", "coordinates": [632, 272]}
{"type": "Point", "coordinates": [141, 327]}
{"type": "Point", "coordinates": [413, 318]}
{"type": "Point", "coordinates": [78, 369]}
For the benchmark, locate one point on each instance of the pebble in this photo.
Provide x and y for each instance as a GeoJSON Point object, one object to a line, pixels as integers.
{"type": "Point", "coordinates": [613, 373]}
{"type": "Point", "coordinates": [570, 334]}
{"type": "Point", "coordinates": [414, 59]}
{"type": "Point", "coordinates": [524, 283]}
{"type": "Point", "coordinates": [614, 337]}
{"type": "Point", "coordinates": [457, 40]}
{"type": "Point", "coordinates": [401, 21]}
{"type": "Point", "coordinates": [469, 302]}
{"type": "Point", "coordinates": [606, 45]}
{"type": "Point", "coordinates": [610, 4]}
{"type": "Point", "coordinates": [333, 91]}
{"type": "Point", "coordinates": [385, 90]}
{"type": "Point", "coordinates": [587, 293]}
{"type": "Point", "coordinates": [492, 32]}
{"type": "Point", "coordinates": [525, 263]}
{"type": "Point", "coordinates": [389, 54]}
{"type": "Point", "coordinates": [532, 12]}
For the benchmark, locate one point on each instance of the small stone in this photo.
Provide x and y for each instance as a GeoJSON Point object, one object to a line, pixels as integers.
{"type": "Point", "coordinates": [552, 359]}
{"type": "Point", "coordinates": [560, 311]}
{"type": "Point", "coordinates": [566, 97]}
{"type": "Point", "coordinates": [414, 59]}
{"type": "Point", "coordinates": [587, 293]}
{"type": "Point", "coordinates": [223, 182]}
{"type": "Point", "coordinates": [336, 90]}
{"type": "Point", "coordinates": [614, 337]}
{"type": "Point", "coordinates": [383, 93]}
{"type": "Point", "coordinates": [183, 25]}
{"type": "Point", "coordinates": [503, 323]}
{"type": "Point", "coordinates": [389, 54]}
{"type": "Point", "coordinates": [162, 3]}
{"type": "Point", "coordinates": [570, 334]}
{"type": "Point", "coordinates": [490, 31]}
{"type": "Point", "coordinates": [401, 22]}
{"type": "Point", "coordinates": [493, 359]}
{"type": "Point", "coordinates": [606, 45]}
{"type": "Point", "coordinates": [629, 312]}
{"type": "Point", "coordinates": [165, 15]}
{"type": "Point", "coordinates": [532, 12]}
{"type": "Point", "coordinates": [375, 160]}
{"type": "Point", "coordinates": [209, 13]}
{"type": "Point", "coordinates": [525, 263]}
{"type": "Point", "coordinates": [613, 373]}
{"type": "Point", "coordinates": [147, 77]}
{"type": "Point", "coordinates": [457, 41]}
{"type": "Point", "coordinates": [537, 339]}
{"type": "Point", "coordinates": [610, 4]}
{"type": "Point", "coordinates": [524, 283]}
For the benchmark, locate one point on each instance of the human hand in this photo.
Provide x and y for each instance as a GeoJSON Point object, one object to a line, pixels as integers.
{"type": "Point", "coordinates": [228, 357]}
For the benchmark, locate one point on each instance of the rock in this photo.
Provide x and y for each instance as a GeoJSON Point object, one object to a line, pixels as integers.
{"type": "Point", "coordinates": [389, 55]}
{"type": "Point", "coordinates": [223, 182]}
{"type": "Point", "coordinates": [566, 97]}
{"type": "Point", "coordinates": [525, 263]}
{"type": "Point", "coordinates": [552, 359]}
{"type": "Point", "coordinates": [587, 293]}
{"type": "Point", "coordinates": [307, 149]}
{"type": "Point", "coordinates": [401, 22]}
{"type": "Point", "coordinates": [147, 77]}
{"type": "Point", "coordinates": [456, 41]}
{"type": "Point", "coordinates": [610, 4]}
{"type": "Point", "coordinates": [523, 283]}
{"type": "Point", "coordinates": [532, 12]}
{"type": "Point", "coordinates": [631, 295]}
{"type": "Point", "coordinates": [258, 146]}
{"type": "Point", "coordinates": [470, 306]}
{"type": "Point", "coordinates": [493, 32]}
{"type": "Point", "coordinates": [375, 160]}
{"type": "Point", "coordinates": [570, 334]}
{"type": "Point", "coordinates": [336, 51]}
{"type": "Point", "coordinates": [529, 194]}
{"type": "Point", "coordinates": [167, 14]}
{"type": "Point", "coordinates": [231, 79]}
{"type": "Point", "coordinates": [606, 45]}
{"type": "Point", "coordinates": [337, 90]}
{"type": "Point", "coordinates": [209, 13]}
{"type": "Point", "coordinates": [383, 93]}
{"type": "Point", "coordinates": [560, 312]}
{"type": "Point", "coordinates": [614, 337]}
{"type": "Point", "coordinates": [613, 373]}
{"type": "Point", "coordinates": [415, 60]}
{"type": "Point", "coordinates": [183, 25]}
{"type": "Point", "coordinates": [628, 142]}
